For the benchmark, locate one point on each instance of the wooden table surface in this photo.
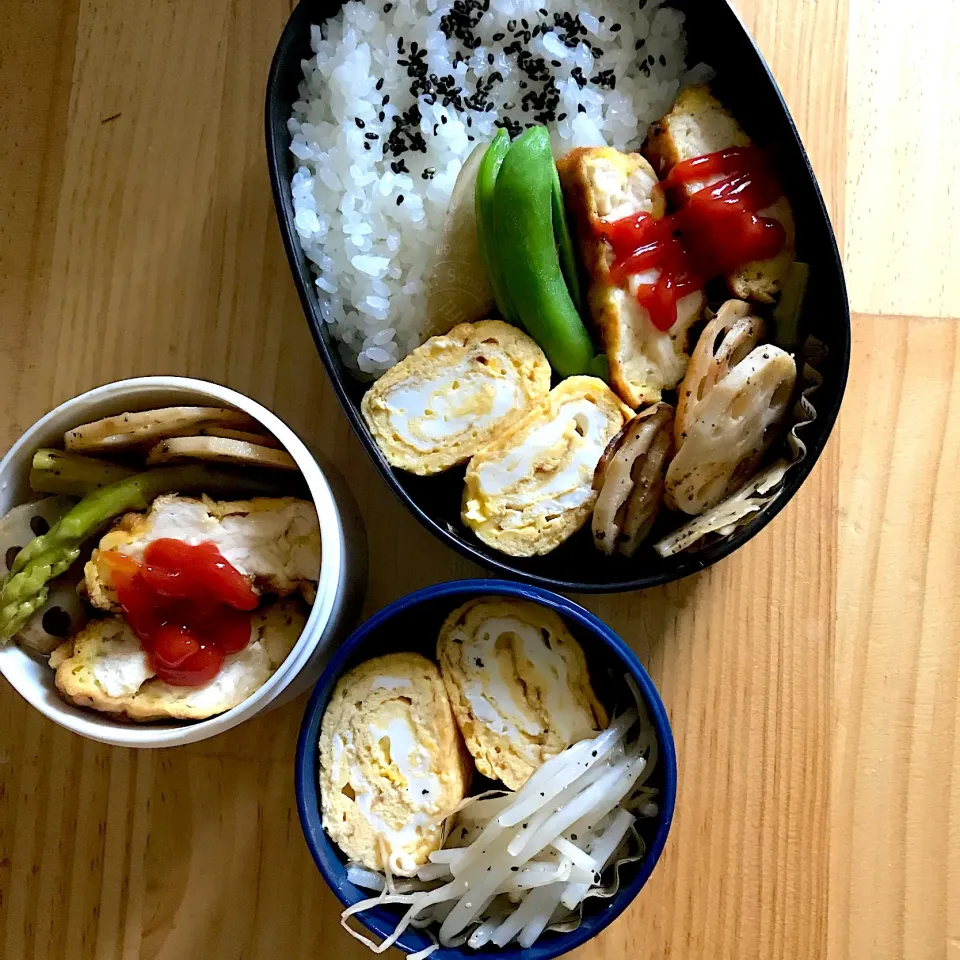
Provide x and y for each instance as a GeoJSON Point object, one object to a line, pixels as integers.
{"type": "Point", "coordinates": [812, 679]}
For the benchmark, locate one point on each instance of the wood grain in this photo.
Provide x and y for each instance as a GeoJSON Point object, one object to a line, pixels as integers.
{"type": "Point", "coordinates": [904, 147]}
{"type": "Point", "coordinates": [811, 679]}
{"type": "Point", "coordinates": [895, 802]}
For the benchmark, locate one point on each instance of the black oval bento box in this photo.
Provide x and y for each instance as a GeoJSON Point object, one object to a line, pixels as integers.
{"type": "Point", "coordinates": [745, 84]}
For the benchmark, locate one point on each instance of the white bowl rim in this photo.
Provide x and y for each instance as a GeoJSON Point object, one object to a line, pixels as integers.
{"type": "Point", "coordinates": [332, 569]}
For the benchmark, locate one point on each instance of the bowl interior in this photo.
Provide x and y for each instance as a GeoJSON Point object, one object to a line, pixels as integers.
{"type": "Point", "coordinates": [31, 675]}
{"type": "Point", "coordinates": [743, 80]}
{"type": "Point", "coordinates": [413, 623]}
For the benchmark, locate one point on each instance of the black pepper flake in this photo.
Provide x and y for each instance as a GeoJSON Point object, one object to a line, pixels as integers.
{"type": "Point", "coordinates": [594, 753]}
{"type": "Point", "coordinates": [380, 81]}
{"type": "Point", "coordinates": [399, 199]}
{"type": "Point", "coordinates": [424, 792]}
{"type": "Point", "coordinates": [359, 122]}
{"type": "Point", "coordinates": [479, 663]}
{"type": "Point", "coordinates": [573, 836]}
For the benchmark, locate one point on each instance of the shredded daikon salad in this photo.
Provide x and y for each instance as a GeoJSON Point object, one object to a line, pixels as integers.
{"type": "Point", "coordinates": [516, 863]}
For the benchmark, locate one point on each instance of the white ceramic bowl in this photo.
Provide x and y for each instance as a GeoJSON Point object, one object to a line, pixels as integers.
{"type": "Point", "coordinates": [342, 571]}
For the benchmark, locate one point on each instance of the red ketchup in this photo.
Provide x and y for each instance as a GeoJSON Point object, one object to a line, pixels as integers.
{"type": "Point", "coordinates": [187, 605]}
{"type": "Point", "coordinates": [713, 231]}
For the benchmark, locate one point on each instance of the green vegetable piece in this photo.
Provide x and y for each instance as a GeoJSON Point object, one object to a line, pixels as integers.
{"type": "Point", "coordinates": [483, 198]}
{"type": "Point", "coordinates": [48, 556]}
{"type": "Point", "coordinates": [561, 232]}
{"type": "Point", "coordinates": [527, 253]}
{"type": "Point", "coordinates": [600, 367]}
{"type": "Point", "coordinates": [73, 474]}
{"type": "Point", "coordinates": [786, 317]}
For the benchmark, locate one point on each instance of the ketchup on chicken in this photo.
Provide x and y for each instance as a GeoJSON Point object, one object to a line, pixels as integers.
{"type": "Point", "coordinates": [711, 232]}
{"type": "Point", "coordinates": [188, 606]}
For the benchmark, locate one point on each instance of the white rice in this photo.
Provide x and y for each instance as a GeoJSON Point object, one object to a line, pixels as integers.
{"type": "Point", "coordinates": [371, 249]}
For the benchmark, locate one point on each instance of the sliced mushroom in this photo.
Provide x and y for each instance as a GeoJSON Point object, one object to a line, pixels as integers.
{"type": "Point", "coordinates": [630, 480]}
{"type": "Point", "coordinates": [221, 449]}
{"type": "Point", "coordinates": [725, 341]}
{"type": "Point", "coordinates": [134, 429]}
{"type": "Point", "coordinates": [646, 498]}
{"type": "Point", "coordinates": [736, 421]}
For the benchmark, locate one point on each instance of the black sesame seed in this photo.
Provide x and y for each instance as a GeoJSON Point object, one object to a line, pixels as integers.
{"type": "Point", "coordinates": [497, 37]}
{"type": "Point", "coordinates": [372, 136]}
{"type": "Point", "coordinates": [581, 108]}
{"type": "Point", "coordinates": [366, 145]}
{"type": "Point", "coordinates": [443, 119]}
{"type": "Point", "coordinates": [602, 18]}
{"type": "Point", "coordinates": [387, 7]}
{"type": "Point", "coordinates": [639, 45]}
{"type": "Point", "coordinates": [414, 46]}
{"type": "Point", "coordinates": [380, 81]}
{"type": "Point", "coordinates": [382, 116]}
{"type": "Point", "coordinates": [514, 869]}
{"type": "Point", "coordinates": [543, 11]}
{"type": "Point", "coordinates": [386, 99]}
{"type": "Point", "coordinates": [573, 836]}
{"type": "Point", "coordinates": [399, 199]}
{"type": "Point", "coordinates": [524, 24]}
{"type": "Point", "coordinates": [490, 59]}
{"type": "Point", "coordinates": [562, 116]}
{"type": "Point", "coordinates": [615, 27]}
{"type": "Point", "coordinates": [663, 60]}
{"type": "Point", "coordinates": [471, 138]}
{"type": "Point", "coordinates": [359, 122]}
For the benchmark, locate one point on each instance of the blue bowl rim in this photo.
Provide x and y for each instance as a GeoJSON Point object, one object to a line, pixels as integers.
{"type": "Point", "coordinates": [306, 778]}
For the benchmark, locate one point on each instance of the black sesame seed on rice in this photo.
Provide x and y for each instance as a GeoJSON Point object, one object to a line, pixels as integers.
{"type": "Point", "coordinates": [399, 199]}
{"type": "Point", "coordinates": [380, 81]}
{"type": "Point", "coordinates": [359, 122]}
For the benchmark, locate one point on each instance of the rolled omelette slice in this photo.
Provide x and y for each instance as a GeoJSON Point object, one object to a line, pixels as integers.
{"type": "Point", "coordinates": [450, 396]}
{"type": "Point", "coordinates": [532, 488]}
{"type": "Point", "coordinates": [518, 683]}
{"type": "Point", "coordinates": [392, 763]}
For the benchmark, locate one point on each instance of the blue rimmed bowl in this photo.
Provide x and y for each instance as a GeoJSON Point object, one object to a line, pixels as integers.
{"type": "Point", "coordinates": [412, 623]}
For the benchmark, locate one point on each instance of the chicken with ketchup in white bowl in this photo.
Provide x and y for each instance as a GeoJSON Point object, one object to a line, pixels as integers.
{"type": "Point", "coordinates": [173, 560]}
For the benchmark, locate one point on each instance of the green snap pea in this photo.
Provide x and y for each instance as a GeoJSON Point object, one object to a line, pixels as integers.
{"type": "Point", "coordinates": [561, 233]}
{"type": "Point", "coordinates": [483, 199]}
{"type": "Point", "coordinates": [526, 250]}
